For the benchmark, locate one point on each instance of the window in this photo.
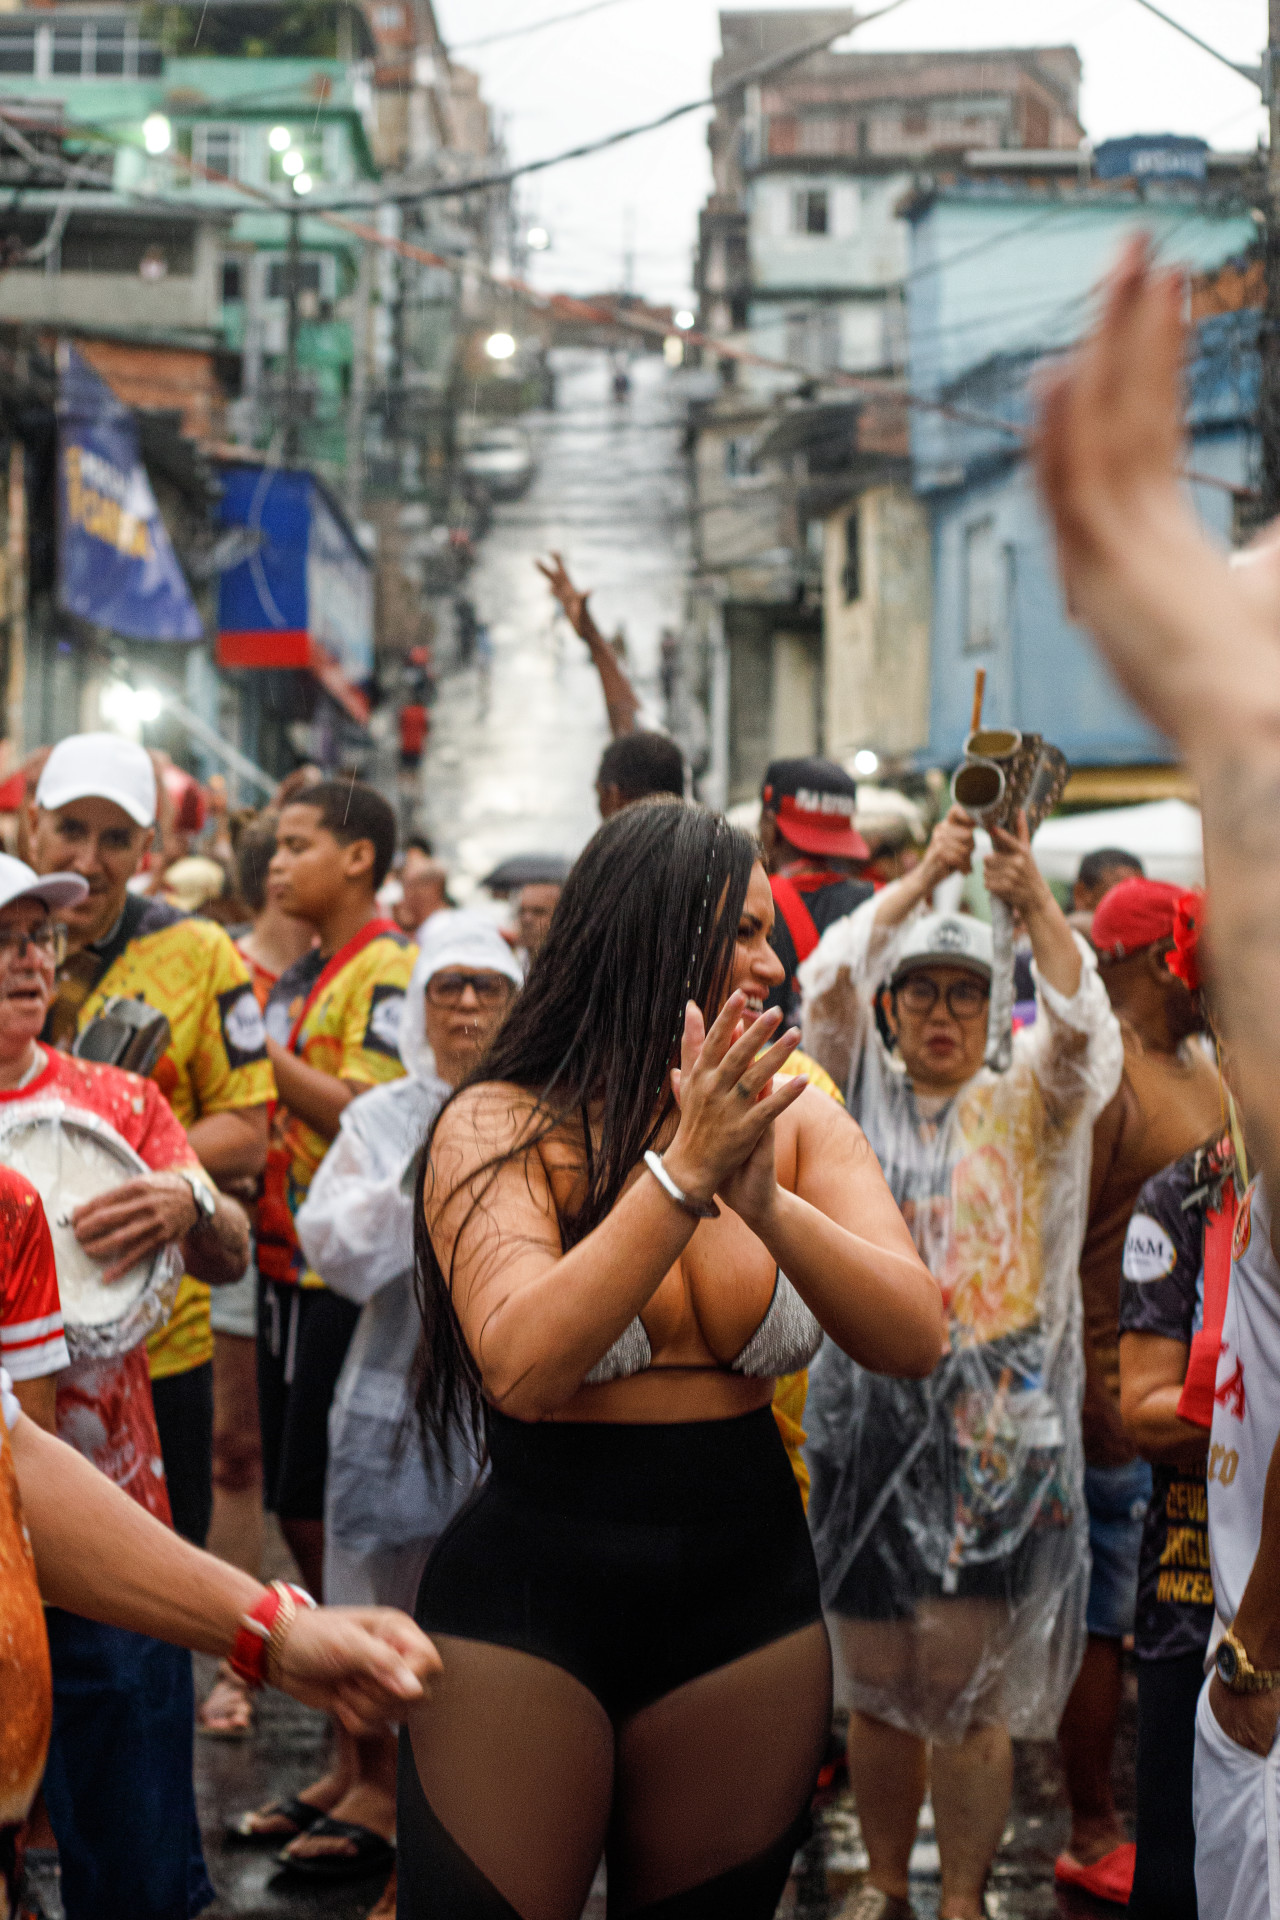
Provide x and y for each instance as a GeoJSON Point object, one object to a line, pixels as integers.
{"type": "Point", "coordinates": [851, 572]}
{"type": "Point", "coordinates": [17, 53]}
{"type": "Point", "coordinates": [108, 52]}
{"type": "Point", "coordinates": [68, 50]}
{"type": "Point", "coordinates": [218, 149]}
{"type": "Point", "coordinates": [310, 268]}
{"type": "Point", "coordinates": [988, 568]}
{"type": "Point", "coordinates": [915, 121]}
{"type": "Point", "coordinates": [809, 210]}
{"type": "Point", "coordinates": [232, 280]}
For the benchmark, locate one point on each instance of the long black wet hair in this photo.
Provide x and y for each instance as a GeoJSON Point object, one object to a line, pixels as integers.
{"type": "Point", "coordinates": [647, 921]}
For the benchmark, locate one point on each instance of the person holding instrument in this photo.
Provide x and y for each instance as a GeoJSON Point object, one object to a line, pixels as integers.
{"type": "Point", "coordinates": [627, 1229]}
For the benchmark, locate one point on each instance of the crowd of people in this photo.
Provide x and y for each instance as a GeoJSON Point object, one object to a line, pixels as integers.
{"type": "Point", "coordinates": [626, 1311]}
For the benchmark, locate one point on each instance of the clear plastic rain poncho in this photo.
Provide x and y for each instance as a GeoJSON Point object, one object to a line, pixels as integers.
{"type": "Point", "coordinates": [356, 1228]}
{"type": "Point", "coordinates": [967, 1486]}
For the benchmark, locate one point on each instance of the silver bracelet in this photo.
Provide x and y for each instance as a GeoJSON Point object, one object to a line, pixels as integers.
{"type": "Point", "coordinates": [700, 1209]}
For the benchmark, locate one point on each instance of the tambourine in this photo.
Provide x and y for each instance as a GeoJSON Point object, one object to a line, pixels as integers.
{"type": "Point", "coordinates": [71, 1155]}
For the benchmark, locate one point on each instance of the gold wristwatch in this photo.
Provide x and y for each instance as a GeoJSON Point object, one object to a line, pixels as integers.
{"type": "Point", "coordinates": [1237, 1672]}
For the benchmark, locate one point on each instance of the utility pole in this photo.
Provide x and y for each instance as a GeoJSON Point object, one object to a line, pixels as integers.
{"type": "Point", "coordinates": [1269, 396]}
{"type": "Point", "coordinates": [292, 277]}
{"type": "Point", "coordinates": [358, 400]}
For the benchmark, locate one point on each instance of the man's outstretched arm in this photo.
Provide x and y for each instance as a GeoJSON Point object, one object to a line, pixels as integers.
{"type": "Point", "coordinates": [619, 694]}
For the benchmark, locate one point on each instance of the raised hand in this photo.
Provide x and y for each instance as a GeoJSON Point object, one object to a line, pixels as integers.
{"type": "Point", "coordinates": [728, 1103]}
{"type": "Point", "coordinates": [1162, 602]}
{"type": "Point", "coordinates": [950, 848]}
{"type": "Point", "coordinates": [571, 598]}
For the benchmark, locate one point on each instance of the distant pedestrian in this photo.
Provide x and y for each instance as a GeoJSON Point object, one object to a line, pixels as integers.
{"type": "Point", "coordinates": [638, 766]}
{"type": "Point", "coordinates": [1099, 871]}
{"type": "Point", "coordinates": [424, 886]}
{"type": "Point", "coordinates": [814, 855]}
{"type": "Point", "coordinates": [534, 910]}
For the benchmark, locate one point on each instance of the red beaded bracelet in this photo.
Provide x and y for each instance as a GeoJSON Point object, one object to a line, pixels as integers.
{"type": "Point", "coordinates": [261, 1633]}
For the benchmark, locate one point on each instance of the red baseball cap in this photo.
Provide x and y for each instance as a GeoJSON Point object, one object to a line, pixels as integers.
{"type": "Point", "coordinates": [815, 801]}
{"type": "Point", "coordinates": [1136, 913]}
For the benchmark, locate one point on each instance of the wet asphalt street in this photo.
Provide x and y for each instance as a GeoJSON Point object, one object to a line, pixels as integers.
{"type": "Point", "coordinates": [511, 765]}
{"type": "Point", "coordinates": [510, 769]}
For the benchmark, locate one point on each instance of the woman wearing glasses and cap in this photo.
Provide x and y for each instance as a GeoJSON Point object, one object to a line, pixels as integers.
{"type": "Point", "coordinates": [385, 1499]}
{"type": "Point", "coordinates": [947, 1513]}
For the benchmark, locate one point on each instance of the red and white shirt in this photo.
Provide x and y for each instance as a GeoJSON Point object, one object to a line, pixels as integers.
{"type": "Point", "coordinates": [105, 1410]}
{"type": "Point", "coordinates": [1246, 1411]}
{"type": "Point", "coordinates": [32, 1342]}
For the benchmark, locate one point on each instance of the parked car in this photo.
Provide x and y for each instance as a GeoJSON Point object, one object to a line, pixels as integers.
{"type": "Point", "coordinates": [500, 460]}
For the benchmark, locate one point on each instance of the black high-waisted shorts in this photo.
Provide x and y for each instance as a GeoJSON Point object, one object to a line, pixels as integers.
{"type": "Point", "coordinates": [635, 1557]}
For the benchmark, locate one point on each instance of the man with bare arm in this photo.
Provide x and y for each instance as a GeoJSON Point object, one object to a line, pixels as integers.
{"type": "Point", "coordinates": [1196, 641]}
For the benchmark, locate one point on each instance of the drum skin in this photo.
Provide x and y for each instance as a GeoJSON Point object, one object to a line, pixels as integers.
{"type": "Point", "coordinates": [26, 1687]}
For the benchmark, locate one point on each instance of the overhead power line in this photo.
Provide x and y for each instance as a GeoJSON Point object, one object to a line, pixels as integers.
{"type": "Point", "coordinates": [748, 77]}
{"type": "Point", "coordinates": [534, 26]}
{"type": "Point", "coordinates": [1242, 67]}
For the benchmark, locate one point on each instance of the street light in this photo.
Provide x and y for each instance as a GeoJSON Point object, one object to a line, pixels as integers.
{"type": "Point", "coordinates": [303, 183]}
{"type": "Point", "coordinates": [538, 238]}
{"type": "Point", "coordinates": [278, 139]}
{"type": "Point", "coordinates": [684, 319]}
{"type": "Point", "coordinates": [499, 346]}
{"type": "Point", "coordinates": [129, 709]}
{"type": "Point", "coordinates": [293, 163]}
{"type": "Point", "coordinates": [866, 762]}
{"type": "Point", "coordinates": [156, 133]}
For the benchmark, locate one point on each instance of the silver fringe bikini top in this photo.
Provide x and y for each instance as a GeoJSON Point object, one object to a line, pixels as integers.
{"type": "Point", "coordinates": [786, 1340]}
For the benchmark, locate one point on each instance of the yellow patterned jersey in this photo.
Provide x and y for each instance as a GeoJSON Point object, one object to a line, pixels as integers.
{"type": "Point", "coordinates": [341, 1016]}
{"type": "Point", "coordinates": [791, 1390]}
{"type": "Point", "coordinates": [189, 970]}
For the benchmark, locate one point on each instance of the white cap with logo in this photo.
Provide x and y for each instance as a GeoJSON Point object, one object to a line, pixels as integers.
{"type": "Point", "coordinates": [100, 766]}
{"type": "Point", "coordinates": [18, 881]}
{"type": "Point", "coordinates": [946, 940]}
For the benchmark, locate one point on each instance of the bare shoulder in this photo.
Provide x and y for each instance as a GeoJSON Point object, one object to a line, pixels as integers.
{"type": "Point", "coordinates": [488, 1121]}
{"type": "Point", "coordinates": [817, 1128]}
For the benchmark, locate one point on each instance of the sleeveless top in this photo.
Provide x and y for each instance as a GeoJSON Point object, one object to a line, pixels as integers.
{"type": "Point", "coordinates": [784, 1342]}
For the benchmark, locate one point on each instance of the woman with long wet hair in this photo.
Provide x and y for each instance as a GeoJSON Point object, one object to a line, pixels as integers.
{"type": "Point", "coordinates": [635, 1662]}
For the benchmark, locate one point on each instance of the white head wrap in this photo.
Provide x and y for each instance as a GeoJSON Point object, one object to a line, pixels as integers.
{"type": "Point", "coordinates": [451, 938]}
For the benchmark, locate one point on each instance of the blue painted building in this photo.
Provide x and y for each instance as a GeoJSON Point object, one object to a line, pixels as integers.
{"type": "Point", "coordinates": [1001, 280]}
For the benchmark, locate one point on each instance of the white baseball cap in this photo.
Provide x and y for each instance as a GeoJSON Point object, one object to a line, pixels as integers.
{"type": "Point", "coordinates": [18, 881]}
{"type": "Point", "coordinates": [946, 940]}
{"type": "Point", "coordinates": [100, 766]}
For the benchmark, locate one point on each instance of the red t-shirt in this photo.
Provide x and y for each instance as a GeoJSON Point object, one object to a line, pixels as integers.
{"type": "Point", "coordinates": [105, 1409]}
{"type": "Point", "coordinates": [32, 1343]}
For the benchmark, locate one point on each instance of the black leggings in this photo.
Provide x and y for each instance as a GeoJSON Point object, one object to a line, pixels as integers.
{"type": "Point", "coordinates": [635, 1665]}
{"type": "Point", "coordinates": [1164, 1880]}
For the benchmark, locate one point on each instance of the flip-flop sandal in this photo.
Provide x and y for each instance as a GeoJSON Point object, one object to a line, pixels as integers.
{"type": "Point", "coordinates": [1110, 1878]}
{"type": "Point", "coordinates": [300, 1813]}
{"type": "Point", "coordinates": [240, 1705]}
{"type": "Point", "coordinates": [371, 1854]}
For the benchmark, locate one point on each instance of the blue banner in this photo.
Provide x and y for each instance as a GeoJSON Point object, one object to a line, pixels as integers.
{"type": "Point", "coordinates": [116, 564]}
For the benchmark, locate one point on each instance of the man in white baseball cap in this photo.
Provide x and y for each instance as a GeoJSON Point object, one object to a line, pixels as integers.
{"type": "Point", "coordinates": [94, 816]}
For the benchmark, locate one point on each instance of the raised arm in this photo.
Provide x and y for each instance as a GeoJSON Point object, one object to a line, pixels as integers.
{"type": "Point", "coordinates": [950, 850]}
{"type": "Point", "coordinates": [619, 695]}
{"type": "Point", "coordinates": [1194, 640]}
{"type": "Point", "coordinates": [1012, 875]}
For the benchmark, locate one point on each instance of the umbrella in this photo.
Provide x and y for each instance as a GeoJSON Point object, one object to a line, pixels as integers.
{"type": "Point", "coordinates": [528, 870]}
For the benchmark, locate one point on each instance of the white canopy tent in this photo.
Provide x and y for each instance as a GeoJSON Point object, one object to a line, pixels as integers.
{"type": "Point", "coordinates": [1164, 834]}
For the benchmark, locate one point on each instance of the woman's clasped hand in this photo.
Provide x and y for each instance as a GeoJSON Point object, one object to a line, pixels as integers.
{"type": "Point", "coordinates": [728, 1104]}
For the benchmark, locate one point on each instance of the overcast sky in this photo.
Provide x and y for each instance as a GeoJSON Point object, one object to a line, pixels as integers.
{"type": "Point", "coordinates": [636, 58]}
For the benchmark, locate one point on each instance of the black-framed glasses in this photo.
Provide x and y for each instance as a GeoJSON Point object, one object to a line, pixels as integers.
{"type": "Point", "coordinates": [49, 939]}
{"type": "Point", "coordinates": [965, 999]}
{"type": "Point", "coordinates": [447, 989]}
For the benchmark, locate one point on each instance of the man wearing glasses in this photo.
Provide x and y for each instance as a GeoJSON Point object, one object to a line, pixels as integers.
{"type": "Point", "coordinates": [948, 1514]}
